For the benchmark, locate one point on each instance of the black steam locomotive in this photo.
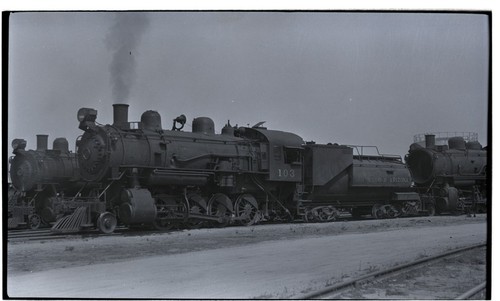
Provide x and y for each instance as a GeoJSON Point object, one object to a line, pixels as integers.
{"type": "Point", "coordinates": [170, 177]}
{"type": "Point", "coordinates": [45, 186]}
{"type": "Point", "coordinates": [450, 177]}
{"type": "Point", "coordinates": [140, 174]}
{"type": "Point", "coordinates": [38, 178]}
{"type": "Point", "coordinates": [244, 174]}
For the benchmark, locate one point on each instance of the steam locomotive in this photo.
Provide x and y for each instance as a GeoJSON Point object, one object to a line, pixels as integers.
{"type": "Point", "coordinates": [450, 177]}
{"type": "Point", "coordinates": [38, 176]}
{"type": "Point", "coordinates": [139, 174]}
{"type": "Point", "coordinates": [244, 174]}
{"type": "Point", "coordinates": [45, 184]}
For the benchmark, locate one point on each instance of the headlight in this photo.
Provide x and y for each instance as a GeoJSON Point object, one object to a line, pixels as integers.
{"type": "Point", "coordinates": [87, 114]}
{"type": "Point", "coordinates": [18, 144]}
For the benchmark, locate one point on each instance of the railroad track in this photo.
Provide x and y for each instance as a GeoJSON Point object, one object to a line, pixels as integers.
{"type": "Point", "coordinates": [376, 278]}
{"type": "Point", "coordinates": [47, 234]}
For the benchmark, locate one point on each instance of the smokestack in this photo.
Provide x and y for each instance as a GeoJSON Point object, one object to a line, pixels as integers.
{"type": "Point", "coordinates": [430, 141]}
{"type": "Point", "coordinates": [120, 116]}
{"type": "Point", "coordinates": [42, 142]}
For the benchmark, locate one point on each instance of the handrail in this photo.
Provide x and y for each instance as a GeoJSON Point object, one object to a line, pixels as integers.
{"type": "Point", "coordinates": [377, 155]}
{"type": "Point", "coordinates": [468, 136]}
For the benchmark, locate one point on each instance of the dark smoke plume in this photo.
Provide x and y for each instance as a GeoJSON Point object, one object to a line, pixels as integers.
{"type": "Point", "coordinates": [123, 39]}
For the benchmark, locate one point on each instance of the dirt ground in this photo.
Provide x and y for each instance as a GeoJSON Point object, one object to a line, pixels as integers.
{"type": "Point", "coordinates": [443, 279]}
{"type": "Point", "coordinates": [263, 261]}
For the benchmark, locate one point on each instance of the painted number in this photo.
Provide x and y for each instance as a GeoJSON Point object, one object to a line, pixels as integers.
{"type": "Point", "coordinates": [285, 173]}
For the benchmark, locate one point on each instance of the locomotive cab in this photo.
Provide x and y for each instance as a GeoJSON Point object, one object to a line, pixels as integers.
{"type": "Point", "coordinates": [281, 153]}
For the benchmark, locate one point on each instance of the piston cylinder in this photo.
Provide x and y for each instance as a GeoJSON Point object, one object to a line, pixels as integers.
{"type": "Point", "coordinates": [138, 206]}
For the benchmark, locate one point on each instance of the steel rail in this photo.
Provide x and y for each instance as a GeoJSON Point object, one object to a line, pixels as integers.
{"type": "Point", "coordinates": [328, 290]}
{"type": "Point", "coordinates": [472, 292]}
{"type": "Point", "coordinates": [46, 234]}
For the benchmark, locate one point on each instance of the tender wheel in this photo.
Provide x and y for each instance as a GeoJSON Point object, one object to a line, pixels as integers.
{"type": "Point", "coordinates": [327, 214]}
{"type": "Point", "coordinates": [34, 221]}
{"type": "Point", "coordinates": [246, 209]}
{"type": "Point", "coordinates": [378, 211]}
{"type": "Point", "coordinates": [308, 216]}
{"type": "Point", "coordinates": [106, 222]}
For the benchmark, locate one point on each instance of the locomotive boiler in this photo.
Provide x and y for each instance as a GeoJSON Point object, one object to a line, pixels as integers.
{"type": "Point", "coordinates": [38, 176]}
{"type": "Point", "coordinates": [340, 178]}
{"type": "Point", "coordinates": [172, 177]}
{"type": "Point", "coordinates": [453, 176]}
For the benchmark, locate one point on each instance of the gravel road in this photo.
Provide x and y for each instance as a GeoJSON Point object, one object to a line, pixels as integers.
{"type": "Point", "coordinates": [266, 261]}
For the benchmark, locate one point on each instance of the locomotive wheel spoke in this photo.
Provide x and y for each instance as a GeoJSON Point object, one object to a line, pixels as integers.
{"type": "Point", "coordinates": [218, 206]}
{"type": "Point", "coordinates": [246, 209]}
{"type": "Point", "coordinates": [327, 214]}
{"type": "Point", "coordinates": [196, 224]}
{"type": "Point", "coordinates": [197, 205]}
{"type": "Point", "coordinates": [106, 222]}
{"type": "Point", "coordinates": [34, 221]}
{"type": "Point", "coordinates": [390, 211]}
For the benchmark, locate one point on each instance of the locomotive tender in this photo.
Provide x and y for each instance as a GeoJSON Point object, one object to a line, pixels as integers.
{"type": "Point", "coordinates": [245, 174]}
{"type": "Point", "coordinates": [451, 177]}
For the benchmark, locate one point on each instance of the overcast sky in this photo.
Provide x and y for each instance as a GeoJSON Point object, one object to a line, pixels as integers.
{"type": "Point", "coordinates": [348, 78]}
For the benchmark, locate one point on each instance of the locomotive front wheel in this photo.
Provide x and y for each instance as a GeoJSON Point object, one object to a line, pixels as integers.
{"type": "Point", "coordinates": [34, 221]}
{"type": "Point", "coordinates": [106, 222]}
